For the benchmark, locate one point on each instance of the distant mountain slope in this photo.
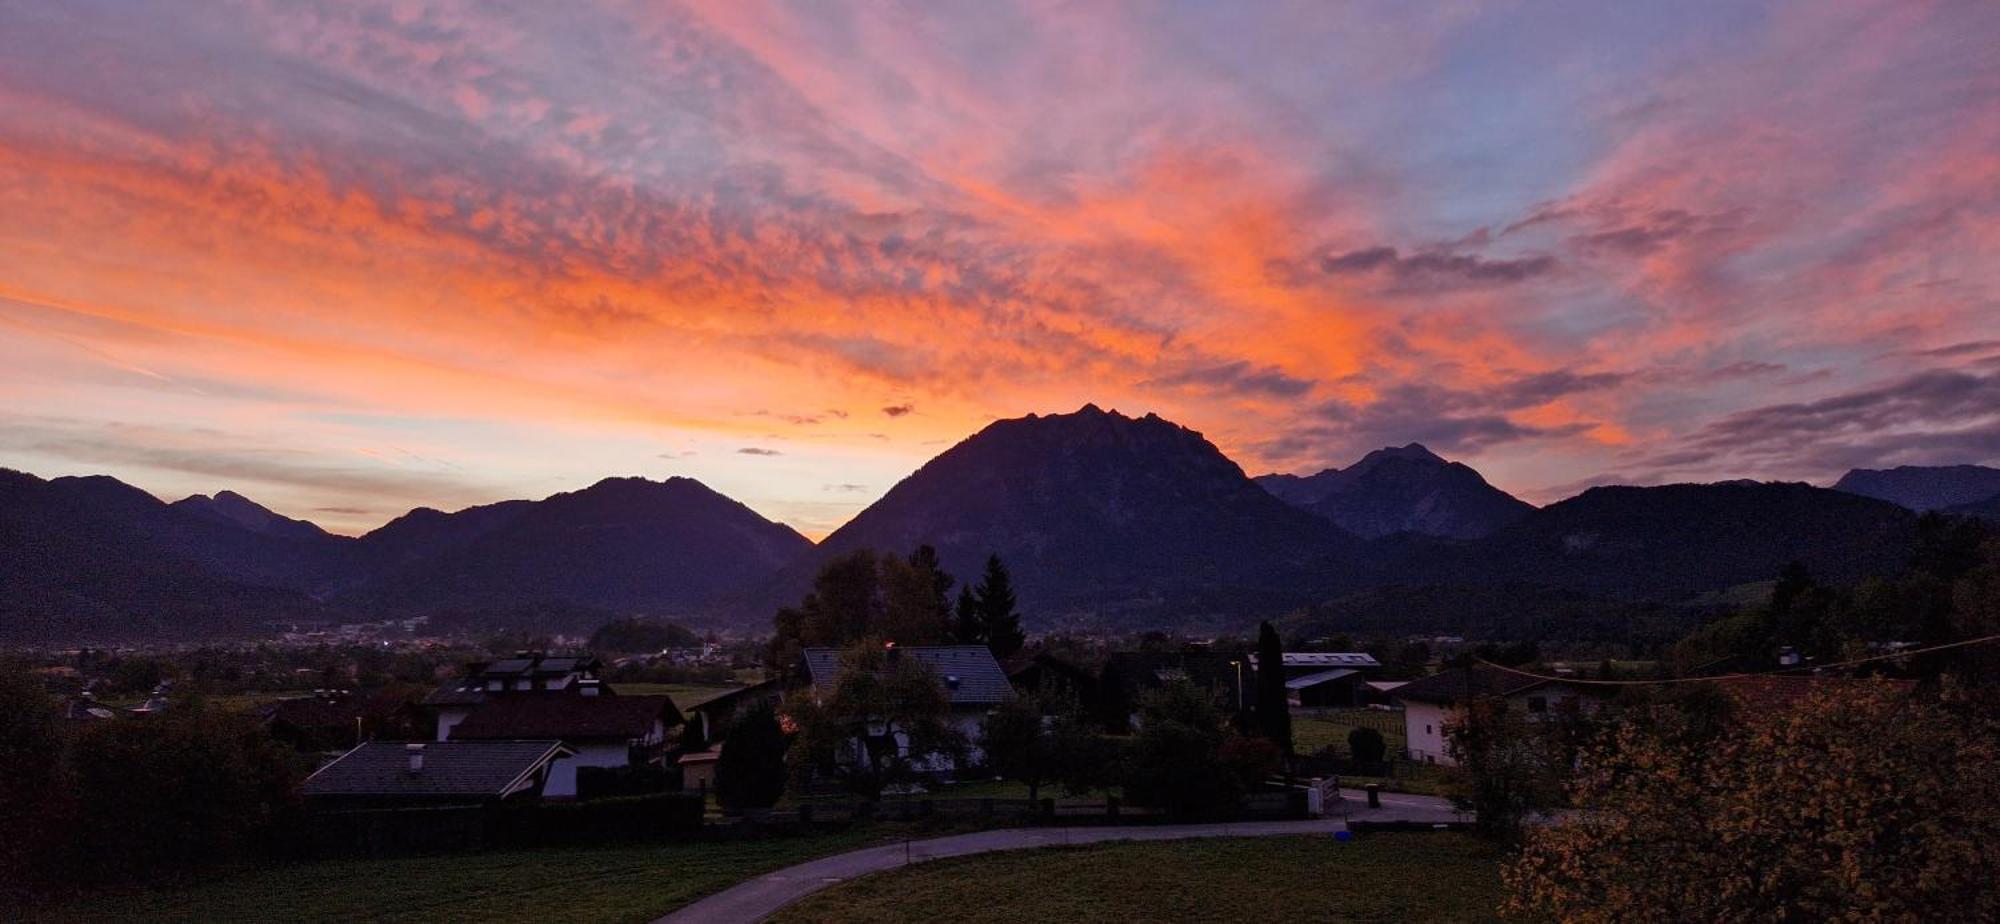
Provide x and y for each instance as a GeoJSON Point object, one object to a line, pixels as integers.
{"type": "Point", "coordinates": [1402, 489]}
{"type": "Point", "coordinates": [96, 559]}
{"type": "Point", "coordinates": [1988, 509]}
{"type": "Point", "coordinates": [1677, 540]}
{"type": "Point", "coordinates": [1098, 513]}
{"type": "Point", "coordinates": [626, 545]}
{"type": "Point", "coordinates": [1924, 487]}
{"type": "Point", "coordinates": [237, 510]}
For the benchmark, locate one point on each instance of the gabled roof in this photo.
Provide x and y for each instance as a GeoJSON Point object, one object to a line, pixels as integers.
{"type": "Point", "coordinates": [483, 769]}
{"type": "Point", "coordinates": [1458, 684]}
{"type": "Point", "coordinates": [969, 672]}
{"type": "Point", "coordinates": [567, 716]}
{"type": "Point", "coordinates": [1313, 680]}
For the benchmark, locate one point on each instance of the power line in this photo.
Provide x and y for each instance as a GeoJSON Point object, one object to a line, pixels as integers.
{"type": "Point", "coordinates": [1772, 673]}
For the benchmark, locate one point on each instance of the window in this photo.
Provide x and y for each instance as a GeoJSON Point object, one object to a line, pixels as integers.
{"type": "Point", "coordinates": [1427, 729]}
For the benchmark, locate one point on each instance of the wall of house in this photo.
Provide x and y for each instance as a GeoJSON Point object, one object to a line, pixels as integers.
{"type": "Point", "coordinates": [447, 719]}
{"type": "Point", "coordinates": [562, 776]}
{"type": "Point", "coordinates": [1423, 723]}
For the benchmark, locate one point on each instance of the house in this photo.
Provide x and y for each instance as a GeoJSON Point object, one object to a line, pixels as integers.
{"type": "Point", "coordinates": [526, 672]}
{"type": "Point", "coordinates": [397, 773]}
{"type": "Point", "coordinates": [712, 718]}
{"type": "Point", "coordinates": [1431, 703]}
{"type": "Point", "coordinates": [598, 728]}
{"type": "Point", "coordinates": [330, 720]}
{"type": "Point", "coordinates": [1047, 673]}
{"type": "Point", "coordinates": [972, 680]}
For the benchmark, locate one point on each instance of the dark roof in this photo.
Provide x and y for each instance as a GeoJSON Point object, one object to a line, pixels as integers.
{"type": "Point", "coordinates": [567, 716]}
{"type": "Point", "coordinates": [1313, 680]}
{"type": "Point", "coordinates": [1457, 684]}
{"type": "Point", "coordinates": [968, 672]}
{"type": "Point", "coordinates": [470, 688]}
{"type": "Point", "coordinates": [451, 768]}
{"type": "Point", "coordinates": [726, 702]}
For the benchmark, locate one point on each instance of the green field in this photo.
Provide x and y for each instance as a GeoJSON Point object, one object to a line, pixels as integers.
{"type": "Point", "coordinates": [1313, 729]}
{"type": "Point", "coordinates": [605, 884]}
{"type": "Point", "coordinates": [1386, 878]}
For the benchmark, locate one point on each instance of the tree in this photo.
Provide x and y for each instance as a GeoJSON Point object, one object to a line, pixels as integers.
{"type": "Point", "coordinates": [1510, 767]}
{"type": "Point", "coordinates": [1274, 712]}
{"type": "Point", "coordinates": [884, 721]}
{"type": "Point", "coordinates": [999, 625]}
{"type": "Point", "coordinates": [967, 626]}
{"type": "Point", "coordinates": [1366, 746]}
{"type": "Point", "coordinates": [1175, 760]}
{"type": "Point", "coordinates": [1020, 744]}
{"type": "Point", "coordinates": [916, 602]}
{"type": "Point", "coordinates": [192, 785]}
{"type": "Point", "coordinates": [1858, 802]}
{"type": "Point", "coordinates": [33, 784]}
{"type": "Point", "coordinates": [751, 771]}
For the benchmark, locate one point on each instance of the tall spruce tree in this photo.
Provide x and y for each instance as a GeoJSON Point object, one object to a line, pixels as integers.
{"type": "Point", "coordinates": [1000, 624]}
{"type": "Point", "coordinates": [970, 629]}
{"type": "Point", "coordinates": [1274, 714]}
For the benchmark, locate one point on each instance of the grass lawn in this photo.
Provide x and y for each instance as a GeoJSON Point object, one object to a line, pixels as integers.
{"type": "Point", "coordinates": [600, 884]}
{"type": "Point", "coordinates": [1315, 729]}
{"type": "Point", "coordinates": [1388, 878]}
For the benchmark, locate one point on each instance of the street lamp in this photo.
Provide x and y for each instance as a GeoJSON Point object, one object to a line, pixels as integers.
{"type": "Point", "coordinates": [1239, 684]}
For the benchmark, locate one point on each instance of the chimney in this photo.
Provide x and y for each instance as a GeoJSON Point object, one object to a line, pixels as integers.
{"type": "Point", "coordinates": [416, 752]}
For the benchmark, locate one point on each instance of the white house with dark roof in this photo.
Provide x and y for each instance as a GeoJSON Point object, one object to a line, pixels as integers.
{"type": "Point", "coordinates": [971, 677]}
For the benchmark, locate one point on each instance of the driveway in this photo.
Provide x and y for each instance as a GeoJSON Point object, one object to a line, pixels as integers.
{"type": "Point", "coordinates": [756, 899]}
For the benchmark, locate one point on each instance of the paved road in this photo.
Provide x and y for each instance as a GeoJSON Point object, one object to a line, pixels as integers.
{"type": "Point", "coordinates": [759, 898]}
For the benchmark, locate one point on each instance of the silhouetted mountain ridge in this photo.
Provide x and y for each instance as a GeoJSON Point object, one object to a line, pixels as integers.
{"type": "Point", "coordinates": [1402, 489]}
{"type": "Point", "coordinates": [1102, 514]}
{"type": "Point", "coordinates": [1924, 487]}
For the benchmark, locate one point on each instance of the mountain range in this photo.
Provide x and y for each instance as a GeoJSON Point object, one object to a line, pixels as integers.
{"type": "Point", "coordinates": [1105, 520]}
{"type": "Point", "coordinates": [1401, 489]}
{"type": "Point", "coordinates": [1923, 488]}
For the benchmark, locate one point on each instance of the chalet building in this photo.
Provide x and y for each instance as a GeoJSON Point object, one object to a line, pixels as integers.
{"type": "Point", "coordinates": [398, 774]}
{"type": "Point", "coordinates": [971, 677]}
{"type": "Point", "coordinates": [536, 696]}
{"type": "Point", "coordinates": [1431, 703]}
{"type": "Point", "coordinates": [599, 729]}
{"type": "Point", "coordinates": [526, 672]}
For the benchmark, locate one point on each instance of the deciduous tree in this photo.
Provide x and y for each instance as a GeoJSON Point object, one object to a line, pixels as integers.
{"type": "Point", "coordinates": [1856, 803]}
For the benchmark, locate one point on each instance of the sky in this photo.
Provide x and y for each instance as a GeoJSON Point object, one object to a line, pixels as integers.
{"type": "Point", "coordinates": [348, 258]}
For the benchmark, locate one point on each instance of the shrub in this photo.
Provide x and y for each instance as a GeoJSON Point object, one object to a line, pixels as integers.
{"type": "Point", "coordinates": [1366, 746]}
{"type": "Point", "coordinates": [751, 771]}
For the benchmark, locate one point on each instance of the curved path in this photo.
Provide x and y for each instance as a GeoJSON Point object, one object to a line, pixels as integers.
{"type": "Point", "coordinates": [756, 899]}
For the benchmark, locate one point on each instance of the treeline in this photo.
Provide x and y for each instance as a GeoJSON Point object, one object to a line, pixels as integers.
{"type": "Point", "coordinates": [96, 802]}
{"type": "Point", "coordinates": [871, 595]}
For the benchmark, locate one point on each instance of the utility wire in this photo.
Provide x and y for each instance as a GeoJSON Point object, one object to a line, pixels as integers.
{"type": "Point", "coordinates": [1908, 652]}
